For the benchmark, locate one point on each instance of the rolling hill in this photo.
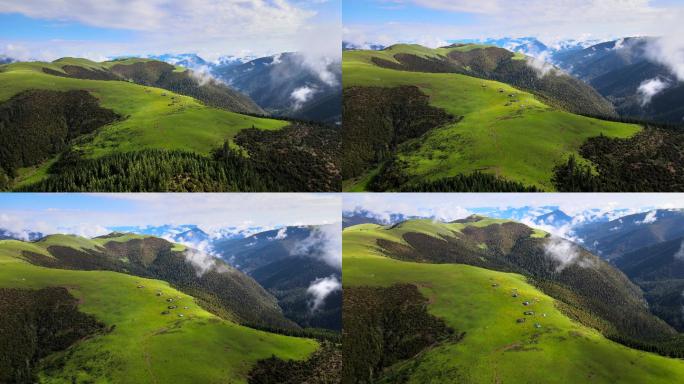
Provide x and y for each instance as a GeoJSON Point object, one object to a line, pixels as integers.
{"type": "Point", "coordinates": [124, 308]}
{"type": "Point", "coordinates": [471, 120]}
{"type": "Point", "coordinates": [490, 301]}
{"type": "Point", "coordinates": [116, 114]}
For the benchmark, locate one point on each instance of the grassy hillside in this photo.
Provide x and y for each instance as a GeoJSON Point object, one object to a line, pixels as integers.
{"type": "Point", "coordinates": [144, 345]}
{"type": "Point", "coordinates": [156, 118]}
{"type": "Point", "coordinates": [221, 289]}
{"type": "Point", "coordinates": [148, 138]}
{"type": "Point", "coordinates": [518, 137]}
{"type": "Point", "coordinates": [495, 348]}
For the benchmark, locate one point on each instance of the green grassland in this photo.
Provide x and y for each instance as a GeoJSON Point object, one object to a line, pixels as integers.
{"type": "Point", "coordinates": [520, 141]}
{"type": "Point", "coordinates": [495, 348]}
{"type": "Point", "coordinates": [145, 346]}
{"type": "Point", "coordinates": [429, 227]}
{"type": "Point", "coordinates": [153, 118]}
{"type": "Point", "coordinates": [124, 237]}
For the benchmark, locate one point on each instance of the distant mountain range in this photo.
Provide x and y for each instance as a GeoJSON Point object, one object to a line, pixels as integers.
{"type": "Point", "coordinates": [531, 46]}
{"type": "Point", "coordinates": [287, 84]}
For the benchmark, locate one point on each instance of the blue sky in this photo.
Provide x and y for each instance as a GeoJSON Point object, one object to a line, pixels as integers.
{"type": "Point", "coordinates": [49, 29]}
{"type": "Point", "coordinates": [16, 26]}
{"type": "Point", "coordinates": [432, 22]}
{"type": "Point", "coordinates": [95, 214]}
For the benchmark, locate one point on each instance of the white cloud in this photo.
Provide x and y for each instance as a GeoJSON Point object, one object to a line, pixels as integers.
{"type": "Point", "coordinates": [210, 28]}
{"type": "Point", "coordinates": [669, 51]}
{"type": "Point", "coordinates": [324, 242]}
{"type": "Point", "coordinates": [468, 6]}
{"type": "Point", "coordinates": [202, 261]}
{"type": "Point", "coordinates": [209, 18]}
{"type": "Point", "coordinates": [320, 289]}
{"type": "Point", "coordinates": [302, 95]}
{"type": "Point", "coordinates": [565, 253]}
{"type": "Point", "coordinates": [649, 88]}
{"type": "Point", "coordinates": [650, 218]}
{"type": "Point", "coordinates": [203, 74]}
{"type": "Point", "coordinates": [280, 235]}
{"type": "Point", "coordinates": [541, 64]}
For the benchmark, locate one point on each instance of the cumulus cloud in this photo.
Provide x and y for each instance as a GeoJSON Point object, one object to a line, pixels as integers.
{"type": "Point", "coordinates": [207, 27]}
{"type": "Point", "coordinates": [302, 95]}
{"type": "Point", "coordinates": [23, 227]}
{"type": "Point", "coordinates": [649, 88]}
{"type": "Point", "coordinates": [480, 6]}
{"type": "Point", "coordinates": [320, 289]}
{"type": "Point", "coordinates": [565, 253]}
{"type": "Point", "coordinates": [324, 242]}
{"type": "Point", "coordinates": [206, 16]}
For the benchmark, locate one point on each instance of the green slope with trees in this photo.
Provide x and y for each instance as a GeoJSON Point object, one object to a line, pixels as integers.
{"type": "Point", "coordinates": [513, 316]}
{"type": "Point", "coordinates": [517, 132]}
{"type": "Point", "coordinates": [116, 109]}
{"type": "Point", "coordinates": [135, 333]}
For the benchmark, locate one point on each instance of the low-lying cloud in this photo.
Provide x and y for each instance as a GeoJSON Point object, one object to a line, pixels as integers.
{"type": "Point", "coordinates": [565, 253]}
{"type": "Point", "coordinates": [201, 261]}
{"type": "Point", "coordinates": [201, 255]}
{"type": "Point", "coordinates": [302, 95]}
{"type": "Point", "coordinates": [324, 242]}
{"type": "Point", "coordinates": [680, 253]}
{"type": "Point", "coordinates": [650, 218]}
{"type": "Point", "coordinates": [541, 65]}
{"type": "Point", "coordinates": [668, 51]}
{"type": "Point", "coordinates": [280, 235]}
{"type": "Point", "coordinates": [202, 73]}
{"type": "Point", "coordinates": [321, 288]}
{"type": "Point", "coordinates": [649, 88]}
